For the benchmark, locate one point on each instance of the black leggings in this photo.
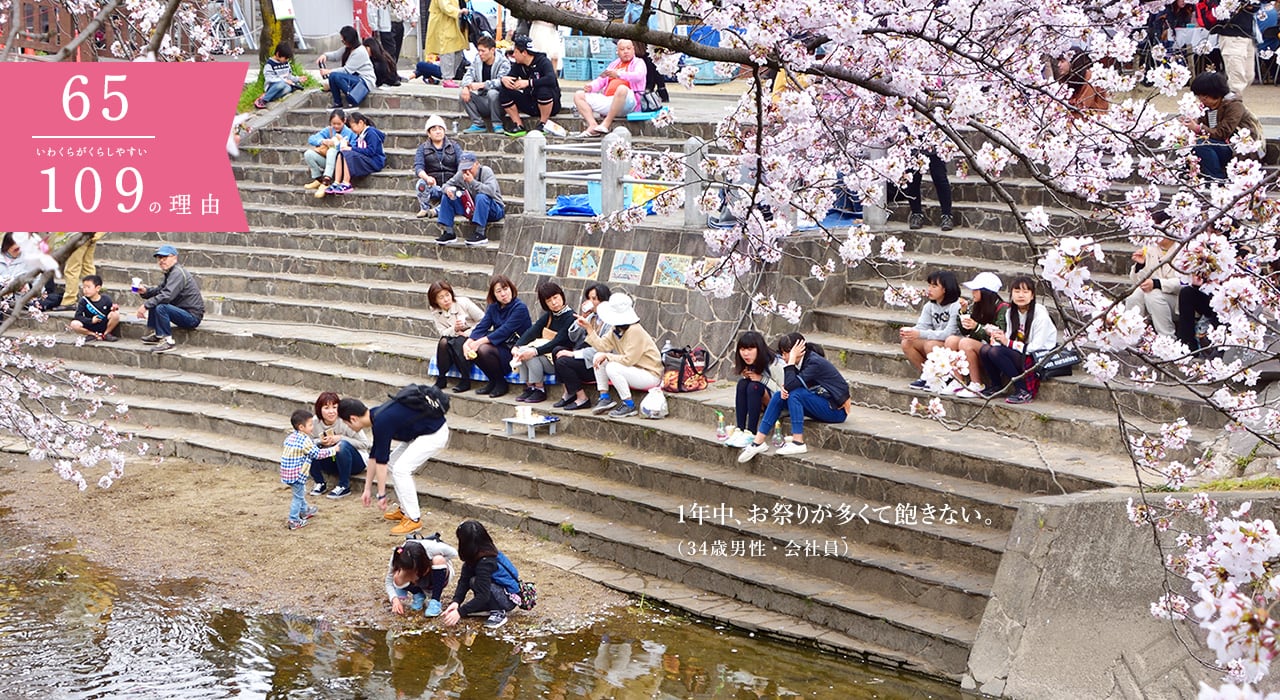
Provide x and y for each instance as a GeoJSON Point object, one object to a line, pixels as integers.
{"type": "Point", "coordinates": [449, 355]}
{"type": "Point", "coordinates": [1192, 302]}
{"type": "Point", "coordinates": [494, 361]}
{"type": "Point", "coordinates": [1002, 363]}
{"type": "Point", "coordinates": [749, 404]}
{"type": "Point", "coordinates": [573, 372]}
{"type": "Point", "coordinates": [941, 185]}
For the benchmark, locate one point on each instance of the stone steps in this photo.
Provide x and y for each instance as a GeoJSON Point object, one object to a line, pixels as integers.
{"type": "Point", "coordinates": [353, 243]}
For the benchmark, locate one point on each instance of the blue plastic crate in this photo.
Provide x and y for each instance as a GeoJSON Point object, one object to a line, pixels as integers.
{"type": "Point", "coordinates": [577, 69]}
{"type": "Point", "coordinates": [598, 65]}
{"type": "Point", "coordinates": [706, 74]}
{"type": "Point", "coordinates": [577, 47]}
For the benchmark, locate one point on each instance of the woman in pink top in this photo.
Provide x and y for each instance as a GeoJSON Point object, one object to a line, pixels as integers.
{"type": "Point", "coordinates": [615, 93]}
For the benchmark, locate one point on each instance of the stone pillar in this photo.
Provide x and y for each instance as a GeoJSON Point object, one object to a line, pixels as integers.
{"type": "Point", "coordinates": [612, 171]}
{"type": "Point", "coordinates": [535, 165]}
{"type": "Point", "coordinates": [694, 182]}
{"type": "Point", "coordinates": [875, 211]}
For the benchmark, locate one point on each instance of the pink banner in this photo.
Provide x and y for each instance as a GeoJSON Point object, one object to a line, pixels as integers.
{"type": "Point", "coordinates": [123, 147]}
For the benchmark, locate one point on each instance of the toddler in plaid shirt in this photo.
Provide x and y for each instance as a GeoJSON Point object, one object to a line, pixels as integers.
{"type": "Point", "coordinates": [299, 451]}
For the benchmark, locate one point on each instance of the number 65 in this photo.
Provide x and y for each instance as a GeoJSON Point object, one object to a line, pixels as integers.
{"type": "Point", "coordinates": [69, 95]}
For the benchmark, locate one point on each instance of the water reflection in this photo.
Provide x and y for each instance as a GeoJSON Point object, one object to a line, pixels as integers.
{"type": "Point", "coordinates": [69, 628]}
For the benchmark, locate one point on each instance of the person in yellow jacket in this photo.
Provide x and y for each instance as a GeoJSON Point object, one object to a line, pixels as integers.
{"type": "Point", "coordinates": [444, 36]}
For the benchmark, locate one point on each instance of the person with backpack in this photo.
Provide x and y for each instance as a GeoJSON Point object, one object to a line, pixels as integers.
{"type": "Point", "coordinates": [487, 574]}
{"type": "Point", "coordinates": [416, 417]}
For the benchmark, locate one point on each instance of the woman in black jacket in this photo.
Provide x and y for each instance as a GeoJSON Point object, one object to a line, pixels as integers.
{"type": "Point", "coordinates": [812, 387]}
{"type": "Point", "coordinates": [433, 164]}
{"type": "Point", "coordinates": [535, 350]}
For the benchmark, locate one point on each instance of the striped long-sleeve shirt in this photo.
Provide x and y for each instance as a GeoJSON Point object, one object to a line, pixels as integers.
{"type": "Point", "coordinates": [299, 452]}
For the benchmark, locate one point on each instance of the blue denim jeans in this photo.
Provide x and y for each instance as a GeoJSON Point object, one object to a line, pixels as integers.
{"type": "Point", "coordinates": [340, 85]}
{"type": "Point", "coordinates": [161, 319]}
{"type": "Point", "coordinates": [487, 211]}
{"type": "Point", "coordinates": [277, 90]}
{"type": "Point", "coordinates": [298, 506]}
{"type": "Point", "coordinates": [801, 404]}
{"type": "Point", "coordinates": [1214, 156]}
{"type": "Point", "coordinates": [348, 461]}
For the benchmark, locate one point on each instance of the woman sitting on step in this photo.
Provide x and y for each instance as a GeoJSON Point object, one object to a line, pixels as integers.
{"type": "Point", "coordinates": [435, 161]}
{"type": "Point", "coordinates": [454, 317]}
{"type": "Point", "coordinates": [812, 387]}
{"type": "Point", "coordinates": [760, 374]}
{"type": "Point", "coordinates": [328, 431]}
{"type": "Point", "coordinates": [358, 159]}
{"type": "Point", "coordinates": [536, 348]}
{"type": "Point", "coordinates": [1027, 333]}
{"type": "Point", "coordinates": [986, 309]}
{"type": "Point", "coordinates": [491, 340]}
{"type": "Point", "coordinates": [626, 357]}
{"type": "Point", "coordinates": [573, 366]}
{"type": "Point", "coordinates": [322, 152]}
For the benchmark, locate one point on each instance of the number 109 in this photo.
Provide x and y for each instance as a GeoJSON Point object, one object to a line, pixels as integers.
{"type": "Point", "coordinates": [94, 190]}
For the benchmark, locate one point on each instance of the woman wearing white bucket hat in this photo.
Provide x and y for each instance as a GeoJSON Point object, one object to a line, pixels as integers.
{"type": "Point", "coordinates": [626, 356]}
{"type": "Point", "coordinates": [986, 310]}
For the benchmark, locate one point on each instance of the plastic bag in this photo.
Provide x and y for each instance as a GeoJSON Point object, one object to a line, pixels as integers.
{"type": "Point", "coordinates": [654, 405]}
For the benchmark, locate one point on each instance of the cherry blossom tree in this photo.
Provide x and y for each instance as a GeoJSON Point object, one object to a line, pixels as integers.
{"type": "Point", "coordinates": [857, 94]}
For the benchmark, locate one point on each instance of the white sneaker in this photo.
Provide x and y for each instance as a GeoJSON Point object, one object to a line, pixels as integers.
{"type": "Point", "coordinates": [740, 438]}
{"type": "Point", "coordinates": [750, 451]}
{"type": "Point", "coordinates": [973, 391]}
{"type": "Point", "coordinates": [793, 448]}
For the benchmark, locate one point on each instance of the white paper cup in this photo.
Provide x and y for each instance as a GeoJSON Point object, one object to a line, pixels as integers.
{"type": "Point", "coordinates": [137, 282]}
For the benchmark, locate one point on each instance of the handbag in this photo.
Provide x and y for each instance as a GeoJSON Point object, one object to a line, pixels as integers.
{"type": "Point", "coordinates": [684, 369]}
{"type": "Point", "coordinates": [323, 149]}
{"type": "Point", "coordinates": [468, 204]}
{"type": "Point", "coordinates": [650, 101]}
{"type": "Point", "coordinates": [1058, 364]}
{"type": "Point", "coordinates": [358, 92]}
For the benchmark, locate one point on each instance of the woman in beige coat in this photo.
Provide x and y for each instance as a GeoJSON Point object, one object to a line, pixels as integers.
{"type": "Point", "coordinates": [444, 35]}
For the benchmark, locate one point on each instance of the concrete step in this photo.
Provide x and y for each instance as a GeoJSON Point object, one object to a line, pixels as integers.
{"type": "Point", "coordinates": [366, 200]}
{"type": "Point", "coordinates": [421, 244]}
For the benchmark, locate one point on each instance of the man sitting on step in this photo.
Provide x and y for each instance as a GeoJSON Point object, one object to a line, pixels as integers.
{"type": "Point", "coordinates": [421, 438]}
{"type": "Point", "coordinates": [480, 87]}
{"type": "Point", "coordinates": [175, 302]}
{"type": "Point", "coordinates": [474, 193]}
{"type": "Point", "coordinates": [532, 88]}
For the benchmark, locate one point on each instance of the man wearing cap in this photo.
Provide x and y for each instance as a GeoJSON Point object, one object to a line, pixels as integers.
{"type": "Point", "coordinates": [478, 184]}
{"type": "Point", "coordinates": [175, 302]}
{"type": "Point", "coordinates": [531, 87]}
{"type": "Point", "coordinates": [480, 87]}
{"type": "Point", "coordinates": [434, 163]}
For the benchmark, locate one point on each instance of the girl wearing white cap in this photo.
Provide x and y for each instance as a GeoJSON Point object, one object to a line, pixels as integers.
{"type": "Point", "coordinates": [626, 356]}
{"type": "Point", "coordinates": [987, 310]}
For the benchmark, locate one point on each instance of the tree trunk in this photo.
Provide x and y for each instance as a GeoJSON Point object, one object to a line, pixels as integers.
{"type": "Point", "coordinates": [274, 31]}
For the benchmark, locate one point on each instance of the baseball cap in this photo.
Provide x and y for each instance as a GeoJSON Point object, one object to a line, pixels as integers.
{"type": "Point", "coordinates": [984, 280]}
{"type": "Point", "coordinates": [466, 160]}
{"type": "Point", "coordinates": [523, 43]}
{"type": "Point", "coordinates": [165, 250]}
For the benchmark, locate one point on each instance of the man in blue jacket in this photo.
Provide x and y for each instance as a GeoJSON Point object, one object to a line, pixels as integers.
{"type": "Point", "coordinates": [422, 437]}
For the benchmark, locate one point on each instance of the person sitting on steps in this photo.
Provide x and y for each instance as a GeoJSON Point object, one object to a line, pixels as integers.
{"type": "Point", "coordinates": [478, 184]}
{"type": "Point", "coordinates": [987, 309]}
{"type": "Point", "coordinates": [760, 374]}
{"type": "Point", "coordinates": [322, 152]}
{"type": "Point", "coordinates": [531, 87]}
{"type": "Point", "coordinates": [454, 317]}
{"type": "Point", "coordinates": [355, 66]}
{"type": "Point", "coordinates": [615, 94]}
{"type": "Point", "coordinates": [96, 315]}
{"type": "Point", "coordinates": [538, 345]}
{"type": "Point", "coordinates": [626, 356]}
{"type": "Point", "coordinates": [481, 86]}
{"type": "Point", "coordinates": [435, 161]}
{"type": "Point", "coordinates": [573, 366]}
{"type": "Point", "coordinates": [176, 301]}
{"type": "Point", "coordinates": [490, 343]}
{"type": "Point", "coordinates": [359, 159]}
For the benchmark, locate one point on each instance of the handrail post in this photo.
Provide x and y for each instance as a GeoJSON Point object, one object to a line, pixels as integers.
{"type": "Point", "coordinates": [535, 165]}
{"type": "Point", "coordinates": [612, 171]}
{"type": "Point", "coordinates": [695, 182]}
{"type": "Point", "coordinates": [875, 211]}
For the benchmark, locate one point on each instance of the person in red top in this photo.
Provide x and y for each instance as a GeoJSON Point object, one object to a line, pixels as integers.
{"type": "Point", "coordinates": [615, 93]}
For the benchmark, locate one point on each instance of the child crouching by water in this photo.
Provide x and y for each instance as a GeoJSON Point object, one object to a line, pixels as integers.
{"type": "Point", "coordinates": [295, 460]}
{"type": "Point", "coordinates": [419, 567]}
{"type": "Point", "coordinates": [487, 574]}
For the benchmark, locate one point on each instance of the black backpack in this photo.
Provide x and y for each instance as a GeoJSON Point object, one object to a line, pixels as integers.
{"type": "Point", "coordinates": [475, 25]}
{"type": "Point", "coordinates": [426, 399]}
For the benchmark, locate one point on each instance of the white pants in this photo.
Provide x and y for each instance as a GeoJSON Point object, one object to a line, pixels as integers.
{"type": "Point", "coordinates": [1157, 306]}
{"type": "Point", "coordinates": [624, 378]}
{"type": "Point", "coordinates": [406, 460]}
{"type": "Point", "coordinates": [1238, 58]}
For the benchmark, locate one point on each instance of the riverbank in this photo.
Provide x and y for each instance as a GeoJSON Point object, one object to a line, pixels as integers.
{"type": "Point", "coordinates": [222, 530]}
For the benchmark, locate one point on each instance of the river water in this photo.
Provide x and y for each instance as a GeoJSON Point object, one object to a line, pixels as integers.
{"type": "Point", "coordinates": [70, 628]}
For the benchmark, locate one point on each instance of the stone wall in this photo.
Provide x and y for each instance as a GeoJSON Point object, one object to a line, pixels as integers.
{"type": "Point", "coordinates": [683, 316]}
{"type": "Point", "coordinates": [1069, 615]}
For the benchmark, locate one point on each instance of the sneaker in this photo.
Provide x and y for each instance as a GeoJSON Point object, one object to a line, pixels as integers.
{"type": "Point", "coordinates": [1020, 396]}
{"type": "Point", "coordinates": [406, 526]}
{"type": "Point", "coordinates": [321, 192]}
{"type": "Point", "coordinates": [424, 213]}
{"type": "Point", "coordinates": [259, 103]}
{"type": "Point", "coordinates": [446, 236]}
{"type": "Point", "coordinates": [449, 84]}
{"type": "Point", "coordinates": [740, 439]}
{"type": "Point", "coordinates": [477, 238]}
{"type": "Point", "coordinates": [393, 514]}
{"type": "Point", "coordinates": [295, 524]}
{"type": "Point", "coordinates": [497, 129]}
{"type": "Point", "coordinates": [151, 338]}
{"type": "Point", "coordinates": [166, 345]}
{"type": "Point", "coordinates": [433, 608]}
{"type": "Point", "coordinates": [536, 396]}
{"type": "Point", "coordinates": [750, 451]}
{"type": "Point", "coordinates": [918, 384]}
{"type": "Point", "coordinates": [110, 337]}
{"type": "Point", "coordinates": [474, 129]}
{"type": "Point", "coordinates": [948, 222]}
{"type": "Point", "coordinates": [517, 132]}
{"type": "Point", "coordinates": [418, 601]}
{"type": "Point", "coordinates": [990, 391]}
{"type": "Point", "coordinates": [915, 221]}
{"type": "Point", "coordinates": [339, 188]}
{"type": "Point", "coordinates": [623, 410]}
{"type": "Point", "coordinates": [497, 618]}
{"type": "Point", "coordinates": [312, 511]}
{"type": "Point", "coordinates": [91, 339]}
{"type": "Point", "coordinates": [972, 391]}
{"type": "Point", "coordinates": [319, 490]}
{"type": "Point", "coordinates": [605, 403]}
{"type": "Point", "coordinates": [313, 184]}
{"type": "Point", "coordinates": [555, 129]}
{"type": "Point", "coordinates": [792, 448]}
{"type": "Point", "coordinates": [339, 492]}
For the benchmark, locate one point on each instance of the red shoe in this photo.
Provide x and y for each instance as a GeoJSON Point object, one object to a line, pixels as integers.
{"type": "Point", "coordinates": [450, 84]}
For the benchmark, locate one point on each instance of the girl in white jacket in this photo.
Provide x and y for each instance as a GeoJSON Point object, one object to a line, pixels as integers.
{"type": "Point", "coordinates": [1029, 332]}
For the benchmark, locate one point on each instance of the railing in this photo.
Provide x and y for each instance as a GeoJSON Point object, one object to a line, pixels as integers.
{"type": "Point", "coordinates": [613, 175]}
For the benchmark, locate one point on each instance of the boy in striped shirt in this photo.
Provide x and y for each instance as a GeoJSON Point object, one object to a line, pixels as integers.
{"type": "Point", "coordinates": [295, 462]}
